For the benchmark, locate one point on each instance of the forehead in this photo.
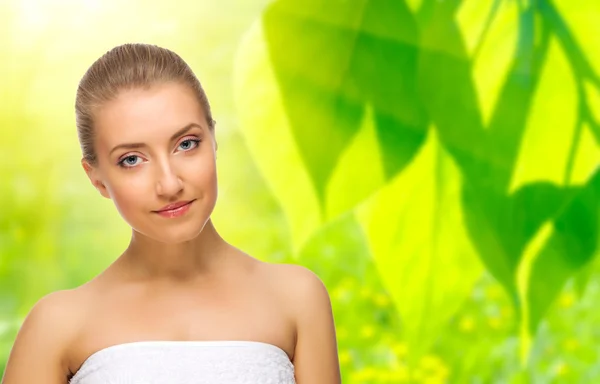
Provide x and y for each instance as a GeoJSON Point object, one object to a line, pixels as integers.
{"type": "Point", "coordinates": [152, 112]}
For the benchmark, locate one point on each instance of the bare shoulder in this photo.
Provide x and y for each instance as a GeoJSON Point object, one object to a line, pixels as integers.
{"type": "Point", "coordinates": [300, 291]}
{"type": "Point", "coordinates": [43, 339]}
{"type": "Point", "coordinates": [315, 353]}
{"type": "Point", "coordinates": [294, 274]}
{"type": "Point", "coordinates": [300, 284]}
{"type": "Point", "coordinates": [304, 289]}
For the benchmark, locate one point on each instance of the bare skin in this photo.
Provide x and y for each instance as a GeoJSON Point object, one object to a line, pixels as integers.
{"type": "Point", "coordinates": [178, 279]}
{"type": "Point", "coordinates": [119, 309]}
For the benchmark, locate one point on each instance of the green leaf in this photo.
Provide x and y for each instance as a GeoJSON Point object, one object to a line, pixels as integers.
{"type": "Point", "coordinates": [549, 133]}
{"type": "Point", "coordinates": [582, 278]}
{"type": "Point", "coordinates": [581, 18]}
{"type": "Point", "coordinates": [503, 216]}
{"type": "Point", "coordinates": [445, 83]}
{"type": "Point", "coordinates": [572, 243]}
{"type": "Point", "coordinates": [572, 26]}
{"type": "Point", "coordinates": [339, 113]}
{"type": "Point", "coordinates": [485, 157]}
{"type": "Point", "coordinates": [488, 28]}
{"type": "Point", "coordinates": [269, 139]}
{"type": "Point", "coordinates": [556, 148]}
{"type": "Point", "coordinates": [416, 232]}
{"type": "Point", "coordinates": [331, 59]}
{"type": "Point", "coordinates": [592, 93]}
{"type": "Point", "coordinates": [359, 171]}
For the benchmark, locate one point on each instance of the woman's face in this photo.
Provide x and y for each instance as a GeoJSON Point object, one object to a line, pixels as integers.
{"type": "Point", "coordinates": [154, 149]}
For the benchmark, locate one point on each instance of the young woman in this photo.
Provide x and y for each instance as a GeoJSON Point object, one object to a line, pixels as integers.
{"type": "Point", "coordinates": [180, 305]}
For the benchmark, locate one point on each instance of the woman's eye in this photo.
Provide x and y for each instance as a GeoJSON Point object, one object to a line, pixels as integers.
{"type": "Point", "coordinates": [129, 161]}
{"type": "Point", "coordinates": [188, 144]}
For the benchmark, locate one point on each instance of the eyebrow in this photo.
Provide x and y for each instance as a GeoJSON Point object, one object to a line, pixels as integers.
{"type": "Point", "coordinates": [141, 145]}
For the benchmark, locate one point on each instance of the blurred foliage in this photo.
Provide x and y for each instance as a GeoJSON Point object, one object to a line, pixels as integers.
{"type": "Point", "coordinates": [434, 162]}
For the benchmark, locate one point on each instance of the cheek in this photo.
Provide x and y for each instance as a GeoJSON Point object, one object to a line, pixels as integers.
{"type": "Point", "coordinates": [200, 174]}
{"type": "Point", "coordinates": [130, 196]}
{"type": "Point", "coordinates": [200, 182]}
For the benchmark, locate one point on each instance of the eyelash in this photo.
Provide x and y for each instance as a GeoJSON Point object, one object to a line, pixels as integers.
{"type": "Point", "coordinates": [121, 162]}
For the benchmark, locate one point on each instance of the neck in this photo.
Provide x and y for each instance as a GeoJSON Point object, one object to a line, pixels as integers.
{"type": "Point", "coordinates": [146, 258]}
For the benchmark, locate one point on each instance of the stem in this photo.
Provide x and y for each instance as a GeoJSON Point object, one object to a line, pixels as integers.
{"type": "Point", "coordinates": [576, 134]}
{"type": "Point", "coordinates": [579, 62]}
{"type": "Point", "coordinates": [487, 26]}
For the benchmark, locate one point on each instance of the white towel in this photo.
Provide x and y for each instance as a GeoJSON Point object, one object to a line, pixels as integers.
{"type": "Point", "coordinates": [187, 362]}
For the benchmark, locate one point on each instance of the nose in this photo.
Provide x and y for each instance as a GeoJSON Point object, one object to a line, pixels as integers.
{"type": "Point", "coordinates": [168, 182]}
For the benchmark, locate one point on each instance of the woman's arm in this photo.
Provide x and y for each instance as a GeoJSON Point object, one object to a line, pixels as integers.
{"type": "Point", "coordinates": [315, 357]}
{"type": "Point", "coordinates": [37, 355]}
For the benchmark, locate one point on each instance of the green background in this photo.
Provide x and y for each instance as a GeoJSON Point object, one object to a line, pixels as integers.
{"type": "Point", "coordinates": [434, 162]}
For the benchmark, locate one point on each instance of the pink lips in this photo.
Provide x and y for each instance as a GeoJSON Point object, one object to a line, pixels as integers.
{"type": "Point", "coordinates": [175, 210]}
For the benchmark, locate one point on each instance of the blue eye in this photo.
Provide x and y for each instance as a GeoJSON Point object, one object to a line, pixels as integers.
{"type": "Point", "coordinates": [188, 144]}
{"type": "Point", "coordinates": [129, 161]}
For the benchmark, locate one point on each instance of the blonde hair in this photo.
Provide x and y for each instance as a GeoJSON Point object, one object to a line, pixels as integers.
{"type": "Point", "coordinates": [126, 67]}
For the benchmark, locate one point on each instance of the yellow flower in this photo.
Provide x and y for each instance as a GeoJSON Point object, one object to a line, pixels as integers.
{"type": "Point", "coordinates": [571, 344]}
{"type": "Point", "coordinates": [466, 324]}
{"type": "Point", "coordinates": [399, 375]}
{"type": "Point", "coordinates": [367, 331]}
{"type": "Point", "coordinates": [433, 368]}
{"type": "Point", "coordinates": [495, 322]}
{"type": "Point", "coordinates": [430, 362]}
{"type": "Point", "coordinates": [365, 292]}
{"type": "Point", "coordinates": [438, 377]}
{"type": "Point", "coordinates": [418, 375]}
{"type": "Point", "coordinates": [345, 357]}
{"type": "Point", "coordinates": [366, 374]}
{"type": "Point", "coordinates": [494, 292]}
{"type": "Point", "coordinates": [400, 350]}
{"type": "Point", "coordinates": [566, 300]}
{"type": "Point", "coordinates": [433, 380]}
{"type": "Point", "coordinates": [341, 293]}
{"type": "Point", "coordinates": [382, 300]}
{"type": "Point", "coordinates": [561, 369]}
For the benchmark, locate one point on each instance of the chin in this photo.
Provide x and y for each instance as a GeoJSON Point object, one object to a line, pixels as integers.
{"type": "Point", "coordinates": [174, 235]}
{"type": "Point", "coordinates": [177, 235]}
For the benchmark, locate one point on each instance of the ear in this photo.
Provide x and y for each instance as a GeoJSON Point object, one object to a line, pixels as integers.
{"type": "Point", "coordinates": [214, 135]}
{"type": "Point", "coordinates": [93, 175]}
{"type": "Point", "coordinates": [214, 139]}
